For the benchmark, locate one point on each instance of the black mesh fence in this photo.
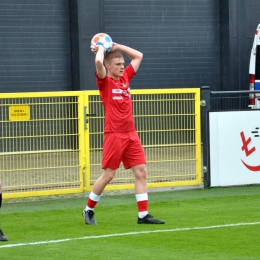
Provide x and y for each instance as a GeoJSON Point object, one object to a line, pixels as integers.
{"type": "Point", "coordinates": [229, 101]}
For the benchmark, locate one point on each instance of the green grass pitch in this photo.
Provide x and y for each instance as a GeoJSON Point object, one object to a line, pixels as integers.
{"type": "Point", "coordinates": [217, 223]}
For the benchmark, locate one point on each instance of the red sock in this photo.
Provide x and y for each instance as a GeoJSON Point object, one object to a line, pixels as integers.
{"type": "Point", "coordinates": [142, 204]}
{"type": "Point", "coordinates": [92, 201]}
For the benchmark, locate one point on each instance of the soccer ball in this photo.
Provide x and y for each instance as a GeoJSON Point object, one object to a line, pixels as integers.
{"type": "Point", "coordinates": [103, 39]}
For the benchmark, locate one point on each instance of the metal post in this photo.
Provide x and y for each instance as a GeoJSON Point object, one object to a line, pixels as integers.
{"type": "Point", "coordinates": [205, 107]}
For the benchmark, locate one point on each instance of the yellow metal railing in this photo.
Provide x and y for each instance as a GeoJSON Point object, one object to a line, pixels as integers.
{"type": "Point", "coordinates": [51, 142]}
{"type": "Point", "coordinates": [168, 123]}
{"type": "Point", "coordinates": [40, 152]}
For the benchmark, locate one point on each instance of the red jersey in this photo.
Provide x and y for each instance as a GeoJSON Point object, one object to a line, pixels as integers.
{"type": "Point", "coordinates": [117, 102]}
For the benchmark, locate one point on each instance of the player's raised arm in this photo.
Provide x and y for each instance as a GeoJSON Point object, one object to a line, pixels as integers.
{"type": "Point", "coordinates": [134, 55]}
{"type": "Point", "coordinates": [99, 62]}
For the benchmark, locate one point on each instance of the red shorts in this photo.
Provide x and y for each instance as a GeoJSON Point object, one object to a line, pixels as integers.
{"type": "Point", "coordinates": [122, 147]}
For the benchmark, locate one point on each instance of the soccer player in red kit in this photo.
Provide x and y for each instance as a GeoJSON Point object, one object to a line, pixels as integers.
{"type": "Point", "coordinates": [121, 141]}
{"type": "Point", "coordinates": [2, 236]}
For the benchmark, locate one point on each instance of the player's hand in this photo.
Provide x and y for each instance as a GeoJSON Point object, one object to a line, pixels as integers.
{"type": "Point", "coordinates": [114, 47]}
{"type": "Point", "coordinates": [94, 48]}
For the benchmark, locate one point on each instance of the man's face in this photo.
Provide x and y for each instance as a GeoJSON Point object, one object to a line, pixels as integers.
{"type": "Point", "coordinates": [116, 67]}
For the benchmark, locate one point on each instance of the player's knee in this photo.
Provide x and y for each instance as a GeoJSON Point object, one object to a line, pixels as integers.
{"type": "Point", "coordinates": [143, 169]}
{"type": "Point", "coordinates": [140, 171]}
{"type": "Point", "coordinates": [143, 172]}
{"type": "Point", "coordinates": [109, 174]}
{"type": "Point", "coordinates": [109, 178]}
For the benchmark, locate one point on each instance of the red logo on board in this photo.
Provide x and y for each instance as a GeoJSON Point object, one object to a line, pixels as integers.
{"type": "Point", "coordinates": [249, 149]}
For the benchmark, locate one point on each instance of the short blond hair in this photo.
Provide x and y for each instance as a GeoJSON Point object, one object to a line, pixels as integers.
{"type": "Point", "coordinates": [111, 55]}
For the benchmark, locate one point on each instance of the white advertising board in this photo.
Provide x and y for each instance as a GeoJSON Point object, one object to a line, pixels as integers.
{"type": "Point", "coordinates": [234, 139]}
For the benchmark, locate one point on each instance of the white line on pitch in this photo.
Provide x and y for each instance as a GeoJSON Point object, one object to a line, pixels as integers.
{"type": "Point", "coordinates": [128, 234]}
